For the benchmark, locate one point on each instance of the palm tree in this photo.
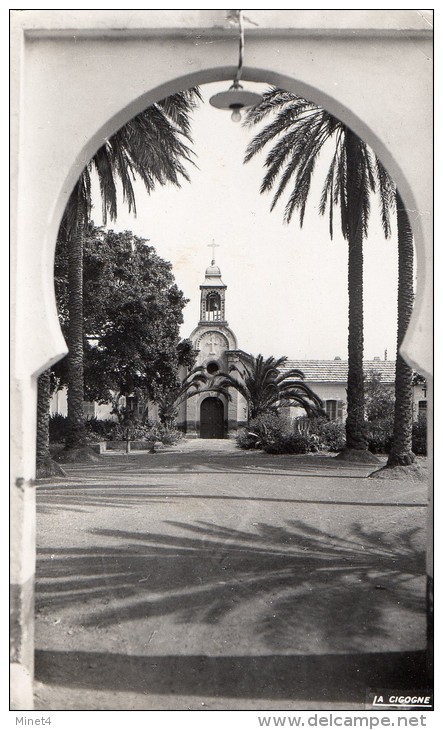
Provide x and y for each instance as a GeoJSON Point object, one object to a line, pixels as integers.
{"type": "Point", "coordinates": [45, 465]}
{"type": "Point", "coordinates": [265, 387]}
{"type": "Point", "coordinates": [300, 130]}
{"type": "Point", "coordinates": [169, 399]}
{"type": "Point", "coordinates": [151, 146]}
{"type": "Point", "coordinates": [401, 453]}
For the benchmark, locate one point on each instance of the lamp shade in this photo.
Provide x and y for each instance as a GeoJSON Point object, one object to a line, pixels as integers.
{"type": "Point", "coordinates": [235, 98]}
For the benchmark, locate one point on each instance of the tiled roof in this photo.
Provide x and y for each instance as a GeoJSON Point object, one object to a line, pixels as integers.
{"type": "Point", "coordinates": [336, 371]}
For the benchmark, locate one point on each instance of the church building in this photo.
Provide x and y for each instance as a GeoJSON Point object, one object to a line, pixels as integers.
{"type": "Point", "coordinates": [210, 414]}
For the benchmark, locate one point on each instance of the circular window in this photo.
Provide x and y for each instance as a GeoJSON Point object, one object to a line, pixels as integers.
{"type": "Point", "coordinates": [212, 368]}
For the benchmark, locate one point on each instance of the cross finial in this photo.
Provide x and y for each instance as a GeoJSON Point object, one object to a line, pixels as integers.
{"type": "Point", "coordinates": [213, 245]}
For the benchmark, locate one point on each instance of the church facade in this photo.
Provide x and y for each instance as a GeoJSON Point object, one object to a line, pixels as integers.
{"type": "Point", "coordinates": [210, 414]}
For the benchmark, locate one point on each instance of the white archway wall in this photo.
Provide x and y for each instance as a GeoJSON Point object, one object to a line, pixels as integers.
{"type": "Point", "coordinates": [80, 88]}
{"type": "Point", "coordinates": [77, 76]}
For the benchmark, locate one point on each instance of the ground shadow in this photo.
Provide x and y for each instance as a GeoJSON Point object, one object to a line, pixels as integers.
{"type": "Point", "coordinates": [339, 678]}
{"type": "Point", "coordinates": [235, 462]}
{"type": "Point", "coordinates": [52, 498]}
{"type": "Point", "coordinates": [308, 582]}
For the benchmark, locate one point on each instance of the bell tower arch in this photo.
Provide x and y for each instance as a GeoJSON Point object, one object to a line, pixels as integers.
{"type": "Point", "coordinates": [213, 295]}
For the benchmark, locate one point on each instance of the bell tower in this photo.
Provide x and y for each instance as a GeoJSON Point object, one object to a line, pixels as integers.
{"type": "Point", "coordinates": [211, 414]}
{"type": "Point", "coordinates": [212, 297]}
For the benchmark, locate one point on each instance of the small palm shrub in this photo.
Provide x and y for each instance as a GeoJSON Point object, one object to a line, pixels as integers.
{"type": "Point", "coordinates": [259, 431]}
{"type": "Point", "coordinates": [154, 431]}
{"type": "Point", "coordinates": [169, 435]}
{"type": "Point", "coordinates": [246, 439]}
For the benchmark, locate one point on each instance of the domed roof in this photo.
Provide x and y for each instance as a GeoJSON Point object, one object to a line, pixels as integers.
{"type": "Point", "coordinates": [213, 276]}
{"type": "Point", "coordinates": [213, 270]}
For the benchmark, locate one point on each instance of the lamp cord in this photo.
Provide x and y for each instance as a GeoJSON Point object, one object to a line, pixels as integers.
{"type": "Point", "coordinates": [240, 49]}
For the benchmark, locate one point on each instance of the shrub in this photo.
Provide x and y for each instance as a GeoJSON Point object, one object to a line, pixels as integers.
{"type": "Point", "coordinates": [96, 429]}
{"type": "Point", "coordinates": [169, 436]}
{"type": "Point", "coordinates": [58, 428]}
{"type": "Point", "coordinates": [156, 431]}
{"type": "Point", "coordinates": [139, 432]}
{"type": "Point", "coordinates": [379, 399]}
{"type": "Point", "coordinates": [265, 427]}
{"type": "Point", "coordinates": [380, 435]}
{"type": "Point", "coordinates": [107, 429]}
{"type": "Point", "coordinates": [274, 434]}
{"type": "Point", "coordinates": [329, 435]}
{"type": "Point", "coordinates": [419, 437]}
{"type": "Point", "coordinates": [289, 443]}
{"type": "Point", "coordinates": [333, 436]}
{"type": "Point", "coordinates": [246, 439]}
{"type": "Point", "coordinates": [130, 428]}
{"type": "Point", "coordinates": [102, 429]}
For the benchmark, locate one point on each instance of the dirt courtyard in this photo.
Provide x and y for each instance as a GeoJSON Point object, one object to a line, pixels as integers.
{"type": "Point", "coordinates": [208, 578]}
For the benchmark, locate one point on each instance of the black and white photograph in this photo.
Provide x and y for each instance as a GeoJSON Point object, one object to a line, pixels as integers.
{"type": "Point", "coordinates": [222, 352]}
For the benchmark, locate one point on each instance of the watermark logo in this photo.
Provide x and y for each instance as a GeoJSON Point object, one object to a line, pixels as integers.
{"type": "Point", "coordinates": [394, 699]}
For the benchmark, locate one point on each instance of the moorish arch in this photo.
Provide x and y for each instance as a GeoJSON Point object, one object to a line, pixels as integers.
{"type": "Point", "coordinates": [62, 60]}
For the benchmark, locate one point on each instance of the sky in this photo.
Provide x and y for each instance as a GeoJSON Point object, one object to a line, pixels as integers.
{"type": "Point", "coordinates": [287, 287]}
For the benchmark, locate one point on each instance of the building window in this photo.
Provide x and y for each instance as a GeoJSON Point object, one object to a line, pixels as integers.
{"type": "Point", "coordinates": [212, 368]}
{"type": "Point", "coordinates": [334, 410]}
{"type": "Point", "coordinates": [331, 409]}
{"type": "Point", "coordinates": [422, 409]}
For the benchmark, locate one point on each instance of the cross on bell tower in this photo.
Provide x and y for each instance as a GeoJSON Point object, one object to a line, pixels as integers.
{"type": "Point", "coordinates": [212, 301]}
{"type": "Point", "coordinates": [213, 245]}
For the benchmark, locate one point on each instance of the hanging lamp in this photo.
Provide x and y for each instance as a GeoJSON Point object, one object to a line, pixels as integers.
{"type": "Point", "coordinates": [236, 98]}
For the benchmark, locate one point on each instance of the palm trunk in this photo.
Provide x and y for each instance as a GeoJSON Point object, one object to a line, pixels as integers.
{"type": "Point", "coordinates": [356, 432]}
{"type": "Point", "coordinates": [76, 428]}
{"type": "Point", "coordinates": [43, 399]}
{"type": "Point", "coordinates": [45, 465]}
{"type": "Point", "coordinates": [401, 451]}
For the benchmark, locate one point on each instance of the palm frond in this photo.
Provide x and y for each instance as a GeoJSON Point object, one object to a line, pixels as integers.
{"type": "Point", "coordinates": [296, 135]}
{"type": "Point", "coordinates": [264, 385]}
{"type": "Point", "coordinates": [178, 108]}
{"type": "Point", "coordinates": [386, 189]}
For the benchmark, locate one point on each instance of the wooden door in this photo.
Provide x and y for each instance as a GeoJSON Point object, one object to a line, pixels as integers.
{"type": "Point", "coordinates": [212, 419]}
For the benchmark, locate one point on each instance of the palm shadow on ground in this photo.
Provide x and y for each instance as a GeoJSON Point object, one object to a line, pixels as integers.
{"type": "Point", "coordinates": [319, 603]}
{"type": "Point", "coordinates": [233, 462]}
{"type": "Point", "coordinates": [104, 494]}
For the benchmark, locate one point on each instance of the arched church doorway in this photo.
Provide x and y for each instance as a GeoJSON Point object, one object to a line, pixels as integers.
{"type": "Point", "coordinates": [212, 419]}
